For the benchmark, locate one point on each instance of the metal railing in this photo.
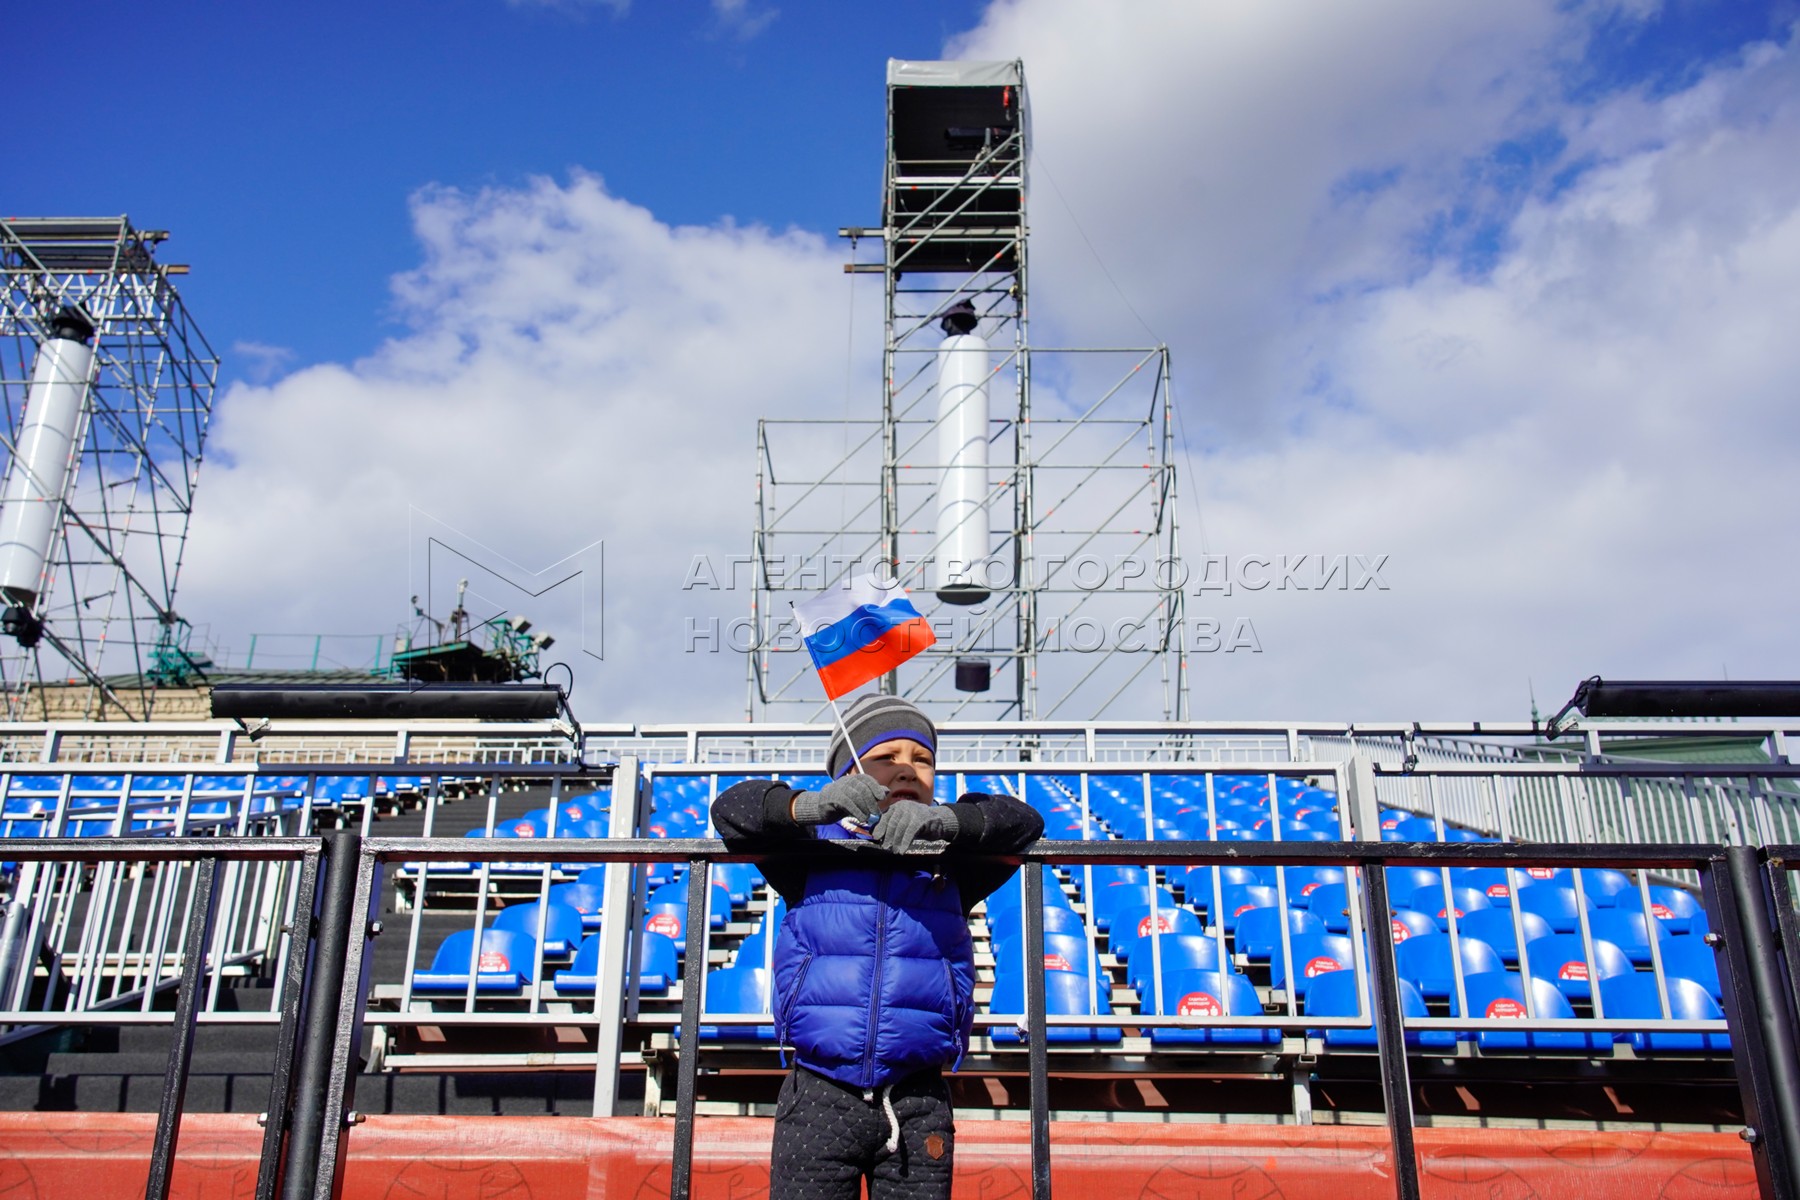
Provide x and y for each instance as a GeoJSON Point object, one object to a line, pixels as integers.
{"type": "Point", "coordinates": [238, 895]}
{"type": "Point", "coordinates": [114, 927]}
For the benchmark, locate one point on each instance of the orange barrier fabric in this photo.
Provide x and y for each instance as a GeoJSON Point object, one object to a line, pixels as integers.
{"type": "Point", "coordinates": [92, 1155]}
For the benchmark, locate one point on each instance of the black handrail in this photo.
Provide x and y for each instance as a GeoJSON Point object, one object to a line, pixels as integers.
{"type": "Point", "coordinates": [1741, 887]}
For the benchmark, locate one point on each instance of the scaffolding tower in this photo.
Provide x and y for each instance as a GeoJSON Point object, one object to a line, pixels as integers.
{"type": "Point", "coordinates": [100, 493]}
{"type": "Point", "coordinates": [1038, 534]}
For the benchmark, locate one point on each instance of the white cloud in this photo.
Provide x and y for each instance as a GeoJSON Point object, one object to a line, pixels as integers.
{"type": "Point", "coordinates": [741, 19]}
{"type": "Point", "coordinates": [261, 361]}
{"type": "Point", "coordinates": [575, 371]}
{"type": "Point", "coordinates": [1575, 460]}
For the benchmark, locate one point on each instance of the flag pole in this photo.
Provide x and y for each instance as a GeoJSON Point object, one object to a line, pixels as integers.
{"type": "Point", "coordinates": [836, 711]}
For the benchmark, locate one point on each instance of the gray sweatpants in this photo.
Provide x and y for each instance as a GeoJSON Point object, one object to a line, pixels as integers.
{"type": "Point", "coordinates": [828, 1139]}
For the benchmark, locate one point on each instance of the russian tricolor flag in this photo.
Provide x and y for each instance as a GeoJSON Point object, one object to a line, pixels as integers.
{"type": "Point", "coordinates": [861, 630]}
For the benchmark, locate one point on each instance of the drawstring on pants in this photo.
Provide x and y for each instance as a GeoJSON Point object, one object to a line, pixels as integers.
{"type": "Point", "coordinates": [886, 1095]}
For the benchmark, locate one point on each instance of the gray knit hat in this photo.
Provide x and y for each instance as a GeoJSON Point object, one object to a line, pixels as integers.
{"type": "Point", "coordinates": [873, 720]}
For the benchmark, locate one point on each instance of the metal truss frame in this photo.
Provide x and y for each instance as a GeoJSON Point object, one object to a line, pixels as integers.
{"type": "Point", "coordinates": [1082, 497]}
{"type": "Point", "coordinates": [109, 600]}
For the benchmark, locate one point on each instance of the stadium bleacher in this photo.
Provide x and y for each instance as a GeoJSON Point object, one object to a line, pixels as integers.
{"type": "Point", "coordinates": [1179, 960]}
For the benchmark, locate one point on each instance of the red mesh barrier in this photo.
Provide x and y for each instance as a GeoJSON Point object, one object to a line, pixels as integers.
{"type": "Point", "coordinates": [55, 1155]}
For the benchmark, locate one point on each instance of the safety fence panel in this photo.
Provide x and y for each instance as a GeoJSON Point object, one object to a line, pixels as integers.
{"type": "Point", "coordinates": [135, 931]}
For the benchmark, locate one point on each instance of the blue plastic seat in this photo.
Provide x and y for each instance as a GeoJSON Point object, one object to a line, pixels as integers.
{"type": "Point", "coordinates": [1062, 952]}
{"type": "Point", "coordinates": [736, 990]}
{"type": "Point", "coordinates": [1634, 996]}
{"type": "Point", "coordinates": [658, 967]}
{"type": "Point", "coordinates": [1679, 911]}
{"type": "Point", "coordinates": [1414, 829]}
{"type": "Point", "coordinates": [1601, 885]}
{"type": "Point", "coordinates": [1495, 927]}
{"type": "Point", "coordinates": [1404, 923]}
{"type": "Point", "coordinates": [1628, 931]}
{"type": "Point", "coordinates": [670, 920]}
{"type": "Point", "coordinates": [502, 966]}
{"type": "Point", "coordinates": [1430, 900]}
{"type": "Point", "coordinates": [586, 899]}
{"type": "Point", "coordinates": [1240, 899]}
{"type": "Point", "coordinates": [1315, 954]}
{"type": "Point", "coordinates": [1330, 902]}
{"type": "Point", "coordinates": [1691, 958]}
{"type": "Point", "coordinates": [1325, 821]}
{"type": "Point", "coordinates": [1178, 952]}
{"type": "Point", "coordinates": [1010, 895]}
{"type": "Point", "coordinates": [1404, 881]}
{"type": "Point", "coordinates": [1426, 961]}
{"type": "Point", "coordinates": [1491, 881]}
{"type": "Point", "coordinates": [1259, 931]}
{"type": "Point", "coordinates": [676, 893]}
{"type": "Point", "coordinates": [1555, 902]}
{"type": "Point", "coordinates": [562, 926]}
{"type": "Point", "coordinates": [1066, 993]}
{"type": "Point", "coordinates": [1501, 994]}
{"type": "Point", "coordinates": [1010, 925]}
{"type": "Point", "coordinates": [1132, 925]}
{"type": "Point", "coordinates": [1210, 994]}
{"type": "Point", "coordinates": [1109, 900]}
{"type": "Point", "coordinates": [1197, 883]}
{"type": "Point", "coordinates": [1561, 959]}
{"type": "Point", "coordinates": [1335, 994]}
{"type": "Point", "coordinates": [1108, 874]}
{"type": "Point", "coordinates": [519, 827]}
{"type": "Point", "coordinates": [676, 824]}
{"type": "Point", "coordinates": [740, 880]}
{"type": "Point", "coordinates": [1303, 882]}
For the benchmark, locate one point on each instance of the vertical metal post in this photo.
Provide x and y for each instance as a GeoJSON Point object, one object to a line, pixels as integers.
{"type": "Point", "coordinates": [1787, 922]}
{"type": "Point", "coordinates": [1390, 1034]}
{"type": "Point", "coordinates": [687, 1067]}
{"type": "Point", "coordinates": [187, 1008]}
{"type": "Point", "coordinates": [14, 977]}
{"type": "Point", "coordinates": [618, 956]}
{"type": "Point", "coordinates": [1365, 811]}
{"type": "Point", "coordinates": [1762, 1036]}
{"type": "Point", "coordinates": [1037, 1031]}
{"type": "Point", "coordinates": [313, 1142]}
{"type": "Point", "coordinates": [278, 1119]}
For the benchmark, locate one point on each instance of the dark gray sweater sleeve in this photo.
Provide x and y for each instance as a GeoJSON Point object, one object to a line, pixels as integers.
{"type": "Point", "coordinates": [757, 815]}
{"type": "Point", "coordinates": [989, 825]}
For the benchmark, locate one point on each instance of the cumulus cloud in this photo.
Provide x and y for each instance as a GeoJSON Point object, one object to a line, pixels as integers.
{"type": "Point", "coordinates": [741, 19]}
{"type": "Point", "coordinates": [1566, 449]}
{"type": "Point", "coordinates": [574, 371]}
{"type": "Point", "coordinates": [1422, 304]}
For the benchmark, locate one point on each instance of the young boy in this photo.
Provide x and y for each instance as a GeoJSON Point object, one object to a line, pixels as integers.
{"type": "Point", "coordinates": [874, 967]}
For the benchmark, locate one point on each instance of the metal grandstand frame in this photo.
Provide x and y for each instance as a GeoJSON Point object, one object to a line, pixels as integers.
{"type": "Point", "coordinates": [1086, 579]}
{"type": "Point", "coordinates": [1707, 823]}
{"type": "Point", "coordinates": [108, 603]}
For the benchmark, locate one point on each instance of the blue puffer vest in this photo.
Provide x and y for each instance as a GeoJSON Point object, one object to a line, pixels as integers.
{"type": "Point", "coordinates": [874, 973]}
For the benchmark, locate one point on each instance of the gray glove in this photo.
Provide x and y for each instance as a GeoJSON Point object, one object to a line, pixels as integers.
{"type": "Point", "coordinates": [855, 796]}
{"type": "Point", "coordinates": [907, 821]}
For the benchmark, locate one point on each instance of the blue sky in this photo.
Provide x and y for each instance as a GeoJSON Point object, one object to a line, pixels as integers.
{"type": "Point", "coordinates": [280, 143]}
{"type": "Point", "coordinates": [1503, 291]}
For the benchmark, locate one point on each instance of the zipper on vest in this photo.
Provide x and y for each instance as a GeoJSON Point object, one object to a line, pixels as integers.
{"type": "Point", "coordinates": [881, 911]}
